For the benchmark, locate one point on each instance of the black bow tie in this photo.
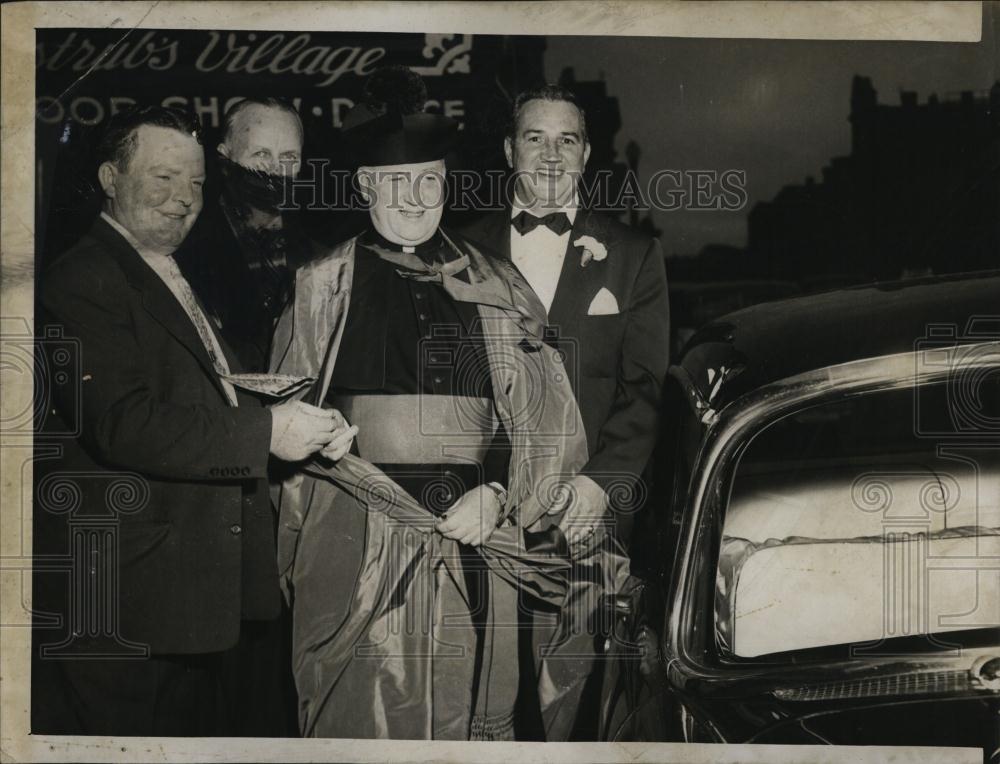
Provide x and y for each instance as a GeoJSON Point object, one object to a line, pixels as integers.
{"type": "Point", "coordinates": [557, 222]}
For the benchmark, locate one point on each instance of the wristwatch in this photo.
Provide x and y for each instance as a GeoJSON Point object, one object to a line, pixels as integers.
{"type": "Point", "coordinates": [500, 491]}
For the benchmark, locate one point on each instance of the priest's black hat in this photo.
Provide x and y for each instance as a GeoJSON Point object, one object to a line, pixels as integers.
{"type": "Point", "coordinates": [389, 126]}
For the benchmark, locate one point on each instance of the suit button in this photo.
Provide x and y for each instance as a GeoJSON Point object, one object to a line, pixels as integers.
{"type": "Point", "coordinates": [422, 316]}
{"type": "Point", "coordinates": [235, 529]}
{"type": "Point", "coordinates": [244, 471]}
{"type": "Point", "coordinates": [214, 472]}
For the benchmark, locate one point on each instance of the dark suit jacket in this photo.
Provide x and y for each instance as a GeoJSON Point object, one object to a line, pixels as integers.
{"type": "Point", "coordinates": [198, 553]}
{"type": "Point", "coordinates": [617, 363]}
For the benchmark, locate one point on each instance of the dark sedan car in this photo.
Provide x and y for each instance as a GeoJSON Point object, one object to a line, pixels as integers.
{"type": "Point", "coordinates": [827, 553]}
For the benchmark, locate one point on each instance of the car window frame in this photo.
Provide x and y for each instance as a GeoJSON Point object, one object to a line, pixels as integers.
{"type": "Point", "coordinates": [688, 638]}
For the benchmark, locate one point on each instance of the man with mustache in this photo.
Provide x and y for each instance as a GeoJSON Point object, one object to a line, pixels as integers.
{"type": "Point", "coordinates": [158, 405]}
{"type": "Point", "coordinates": [242, 254]}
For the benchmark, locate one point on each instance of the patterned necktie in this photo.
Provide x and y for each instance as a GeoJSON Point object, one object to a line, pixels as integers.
{"type": "Point", "coordinates": [182, 290]}
{"type": "Point", "coordinates": [557, 222]}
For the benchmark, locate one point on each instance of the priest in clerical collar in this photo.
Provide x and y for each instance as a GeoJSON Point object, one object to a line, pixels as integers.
{"type": "Point", "coordinates": [411, 353]}
{"type": "Point", "coordinates": [434, 352]}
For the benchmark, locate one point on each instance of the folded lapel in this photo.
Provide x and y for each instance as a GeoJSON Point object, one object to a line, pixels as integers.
{"type": "Point", "coordinates": [577, 284]}
{"type": "Point", "coordinates": [321, 314]}
{"type": "Point", "coordinates": [157, 298]}
{"type": "Point", "coordinates": [307, 338]}
{"type": "Point", "coordinates": [496, 283]}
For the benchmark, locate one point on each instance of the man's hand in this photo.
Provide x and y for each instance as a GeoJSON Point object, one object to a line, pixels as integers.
{"type": "Point", "coordinates": [585, 505]}
{"type": "Point", "coordinates": [473, 518]}
{"type": "Point", "coordinates": [343, 437]}
{"type": "Point", "coordinates": [299, 430]}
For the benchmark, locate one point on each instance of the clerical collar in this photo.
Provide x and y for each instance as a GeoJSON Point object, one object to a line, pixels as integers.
{"type": "Point", "coordinates": [426, 250]}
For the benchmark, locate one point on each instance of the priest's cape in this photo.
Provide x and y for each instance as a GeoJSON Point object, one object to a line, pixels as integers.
{"type": "Point", "coordinates": [382, 635]}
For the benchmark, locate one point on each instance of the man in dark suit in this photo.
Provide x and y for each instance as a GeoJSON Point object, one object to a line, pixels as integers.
{"type": "Point", "coordinates": [604, 287]}
{"type": "Point", "coordinates": [191, 554]}
{"type": "Point", "coordinates": [242, 253]}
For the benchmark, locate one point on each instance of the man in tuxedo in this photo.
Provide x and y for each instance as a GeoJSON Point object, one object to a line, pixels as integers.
{"type": "Point", "coordinates": [187, 557]}
{"type": "Point", "coordinates": [243, 251]}
{"type": "Point", "coordinates": [604, 287]}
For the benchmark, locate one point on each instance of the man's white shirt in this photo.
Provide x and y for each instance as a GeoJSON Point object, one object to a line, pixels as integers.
{"type": "Point", "coordinates": [539, 254]}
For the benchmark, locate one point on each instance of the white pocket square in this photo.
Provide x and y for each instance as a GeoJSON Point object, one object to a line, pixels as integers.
{"type": "Point", "coordinates": [603, 304]}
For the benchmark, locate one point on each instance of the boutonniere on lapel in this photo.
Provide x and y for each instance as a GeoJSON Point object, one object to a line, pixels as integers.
{"type": "Point", "coordinates": [592, 250]}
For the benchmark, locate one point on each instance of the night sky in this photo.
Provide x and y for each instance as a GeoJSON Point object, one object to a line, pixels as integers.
{"type": "Point", "coordinates": [777, 109]}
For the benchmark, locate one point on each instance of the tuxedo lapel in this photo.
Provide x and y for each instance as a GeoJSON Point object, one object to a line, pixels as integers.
{"type": "Point", "coordinates": [157, 298]}
{"type": "Point", "coordinates": [577, 284]}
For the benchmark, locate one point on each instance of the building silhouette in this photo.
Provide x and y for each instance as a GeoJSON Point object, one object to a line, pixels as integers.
{"type": "Point", "coordinates": [606, 176]}
{"type": "Point", "coordinates": [919, 193]}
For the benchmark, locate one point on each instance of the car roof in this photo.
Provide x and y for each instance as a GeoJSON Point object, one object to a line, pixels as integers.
{"type": "Point", "coordinates": [775, 340]}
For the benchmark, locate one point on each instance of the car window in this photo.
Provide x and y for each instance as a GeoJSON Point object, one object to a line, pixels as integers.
{"type": "Point", "coordinates": [865, 519]}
